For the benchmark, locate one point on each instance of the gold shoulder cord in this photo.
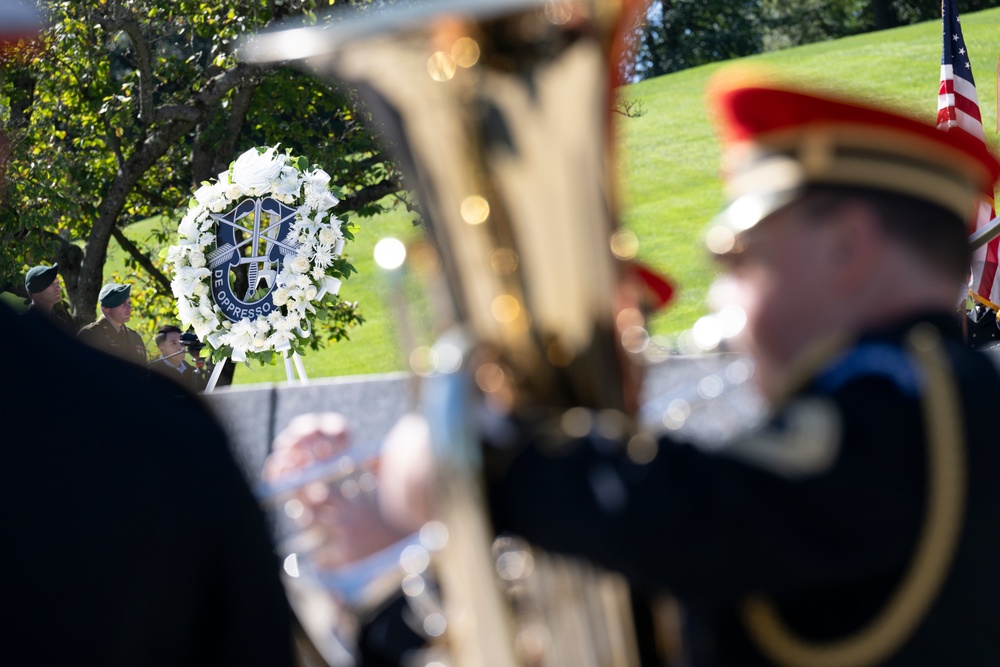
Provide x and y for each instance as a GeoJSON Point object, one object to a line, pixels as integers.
{"type": "Point", "coordinates": [923, 580]}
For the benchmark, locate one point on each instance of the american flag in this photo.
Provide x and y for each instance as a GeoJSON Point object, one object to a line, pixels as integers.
{"type": "Point", "coordinates": [958, 110]}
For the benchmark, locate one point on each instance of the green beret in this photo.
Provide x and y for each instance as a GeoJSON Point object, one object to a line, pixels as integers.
{"type": "Point", "coordinates": [113, 295]}
{"type": "Point", "coordinates": [39, 277]}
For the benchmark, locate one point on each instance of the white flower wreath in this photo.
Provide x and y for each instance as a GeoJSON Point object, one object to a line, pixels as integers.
{"type": "Point", "coordinates": [276, 210]}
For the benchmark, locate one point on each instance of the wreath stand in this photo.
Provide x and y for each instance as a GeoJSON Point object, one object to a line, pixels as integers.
{"type": "Point", "coordinates": [295, 361]}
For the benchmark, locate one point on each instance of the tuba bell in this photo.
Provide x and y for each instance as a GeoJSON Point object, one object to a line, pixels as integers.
{"type": "Point", "coordinates": [499, 114]}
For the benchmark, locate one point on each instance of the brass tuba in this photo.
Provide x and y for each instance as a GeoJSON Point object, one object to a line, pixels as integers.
{"type": "Point", "coordinates": [499, 111]}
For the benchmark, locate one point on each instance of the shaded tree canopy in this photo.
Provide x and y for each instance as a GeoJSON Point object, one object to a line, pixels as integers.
{"type": "Point", "coordinates": [123, 107]}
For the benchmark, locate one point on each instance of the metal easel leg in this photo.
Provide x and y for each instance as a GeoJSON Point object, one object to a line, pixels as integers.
{"type": "Point", "coordinates": [216, 372]}
{"type": "Point", "coordinates": [299, 367]}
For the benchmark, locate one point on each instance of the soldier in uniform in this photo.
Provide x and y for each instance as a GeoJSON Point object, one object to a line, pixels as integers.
{"type": "Point", "coordinates": [45, 295]}
{"type": "Point", "coordinates": [109, 333]}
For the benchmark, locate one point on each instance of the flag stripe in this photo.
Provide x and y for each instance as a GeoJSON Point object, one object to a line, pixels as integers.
{"type": "Point", "coordinates": [958, 110]}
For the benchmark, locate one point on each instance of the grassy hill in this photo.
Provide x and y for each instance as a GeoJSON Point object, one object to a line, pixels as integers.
{"type": "Point", "coordinates": [668, 165]}
{"type": "Point", "coordinates": [670, 158]}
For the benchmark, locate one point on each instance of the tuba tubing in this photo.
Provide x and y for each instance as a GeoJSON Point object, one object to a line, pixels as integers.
{"type": "Point", "coordinates": [498, 112]}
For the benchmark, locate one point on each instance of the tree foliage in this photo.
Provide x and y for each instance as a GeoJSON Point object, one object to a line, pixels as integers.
{"type": "Point", "coordinates": [123, 107]}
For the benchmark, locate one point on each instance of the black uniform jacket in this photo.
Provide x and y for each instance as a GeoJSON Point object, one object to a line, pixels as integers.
{"type": "Point", "coordinates": [190, 378]}
{"type": "Point", "coordinates": [819, 512]}
{"type": "Point", "coordinates": [125, 543]}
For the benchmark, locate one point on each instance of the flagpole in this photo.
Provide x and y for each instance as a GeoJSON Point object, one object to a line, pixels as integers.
{"type": "Point", "coordinates": [984, 234]}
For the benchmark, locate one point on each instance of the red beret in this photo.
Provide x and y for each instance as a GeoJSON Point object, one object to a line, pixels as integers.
{"type": "Point", "coordinates": [778, 139]}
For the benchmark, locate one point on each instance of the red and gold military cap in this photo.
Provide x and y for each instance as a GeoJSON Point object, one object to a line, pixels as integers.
{"type": "Point", "coordinates": [777, 139]}
{"type": "Point", "coordinates": [657, 289]}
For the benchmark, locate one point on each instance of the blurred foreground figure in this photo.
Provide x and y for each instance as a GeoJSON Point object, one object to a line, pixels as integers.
{"type": "Point", "coordinates": [125, 544]}
{"type": "Point", "coordinates": [858, 526]}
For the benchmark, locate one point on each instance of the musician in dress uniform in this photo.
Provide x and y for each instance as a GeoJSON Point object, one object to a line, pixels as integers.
{"type": "Point", "coordinates": [172, 363]}
{"type": "Point", "coordinates": [857, 527]}
{"type": "Point", "coordinates": [109, 333]}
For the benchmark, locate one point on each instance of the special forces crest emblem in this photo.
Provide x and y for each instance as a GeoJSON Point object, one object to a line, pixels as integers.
{"type": "Point", "coordinates": [251, 244]}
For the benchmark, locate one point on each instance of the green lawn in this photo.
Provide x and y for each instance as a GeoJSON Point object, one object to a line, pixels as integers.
{"type": "Point", "coordinates": [670, 158]}
{"type": "Point", "coordinates": [668, 166]}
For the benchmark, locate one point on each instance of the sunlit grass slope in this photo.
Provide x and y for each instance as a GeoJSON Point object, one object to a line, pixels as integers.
{"type": "Point", "coordinates": [669, 160]}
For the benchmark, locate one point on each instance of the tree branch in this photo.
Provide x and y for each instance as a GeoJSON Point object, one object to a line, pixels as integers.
{"type": "Point", "coordinates": [114, 141]}
{"type": "Point", "coordinates": [371, 194]}
{"type": "Point", "coordinates": [176, 112]}
{"type": "Point", "coordinates": [144, 261]}
{"type": "Point", "coordinates": [147, 114]}
{"type": "Point", "coordinates": [237, 116]}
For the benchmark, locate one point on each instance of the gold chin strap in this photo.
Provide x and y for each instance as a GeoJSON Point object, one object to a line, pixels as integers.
{"type": "Point", "coordinates": [984, 302]}
{"type": "Point", "coordinates": [934, 552]}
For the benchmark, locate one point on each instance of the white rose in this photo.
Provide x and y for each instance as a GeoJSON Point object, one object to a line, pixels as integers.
{"type": "Point", "coordinates": [209, 194]}
{"type": "Point", "coordinates": [201, 289]}
{"type": "Point", "coordinates": [259, 341]}
{"type": "Point", "coordinates": [197, 260]}
{"type": "Point", "coordinates": [327, 236]}
{"type": "Point", "coordinates": [280, 296]}
{"type": "Point", "coordinates": [233, 192]}
{"type": "Point", "coordinates": [311, 292]}
{"type": "Point", "coordinates": [256, 170]}
{"type": "Point", "coordinates": [300, 264]}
